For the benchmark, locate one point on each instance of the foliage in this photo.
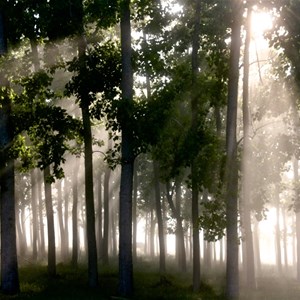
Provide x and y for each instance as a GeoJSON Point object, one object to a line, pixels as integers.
{"type": "Point", "coordinates": [213, 219]}
{"type": "Point", "coordinates": [48, 127]}
{"type": "Point", "coordinates": [97, 77]}
{"type": "Point", "coordinates": [285, 34]}
{"type": "Point", "coordinates": [103, 12]}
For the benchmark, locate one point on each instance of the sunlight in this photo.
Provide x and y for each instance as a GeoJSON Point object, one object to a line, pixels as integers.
{"type": "Point", "coordinates": [261, 22]}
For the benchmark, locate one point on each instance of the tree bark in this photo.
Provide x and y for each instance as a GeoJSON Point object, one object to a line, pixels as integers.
{"type": "Point", "coordinates": [100, 218]}
{"type": "Point", "coordinates": [127, 161]}
{"type": "Point", "coordinates": [179, 229]}
{"type": "Point", "coordinates": [152, 233]}
{"type": "Point", "coordinates": [194, 169]}
{"type": "Point", "coordinates": [50, 224]}
{"type": "Point", "coordinates": [89, 198]}
{"type": "Point", "coordinates": [9, 262]}
{"type": "Point", "coordinates": [180, 247]}
{"type": "Point", "coordinates": [66, 220]}
{"type": "Point", "coordinates": [277, 231]}
{"type": "Point", "coordinates": [34, 214]}
{"type": "Point", "coordinates": [297, 213]}
{"type": "Point", "coordinates": [257, 247]}
{"type": "Point", "coordinates": [232, 269]}
{"type": "Point", "coordinates": [89, 186]}
{"type": "Point", "coordinates": [159, 218]}
{"type": "Point", "coordinates": [75, 241]}
{"type": "Point", "coordinates": [42, 246]}
{"type": "Point", "coordinates": [134, 213]}
{"type": "Point", "coordinates": [60, 218]}
{"type": "Point", "coordinates": [246, 178]}
{"type": "Point", "coordinates": [106, 216]}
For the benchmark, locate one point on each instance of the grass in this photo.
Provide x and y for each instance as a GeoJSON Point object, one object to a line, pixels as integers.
{"type": "Point", "coordinates": [71, 284]}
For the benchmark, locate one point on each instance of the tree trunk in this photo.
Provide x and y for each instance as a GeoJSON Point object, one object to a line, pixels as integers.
{"type": "Point", "coordinates": [152, 233]}
{"type": "Point", "coordinates": [297, 212]}
{"type": "Point", "coordinates": [194, 169]}
{"type": "Point", "coordinates": [60, 218]}
{"type": "Point", "coordinates": [277, 231]}
{"type": "Point", "coordinates": [159, 217]}
{"type": "Point", "coordinates": [20, 235]}
{"type": "Point", "coordinates": [179, 229]}
{"type": "Point", "coordinates": [50, 224]}
{"type": "Point", "coordinates": [246, 179]}
{"type": "Point", "coordinates": [89, 186]}
{"type": "Point", "coordinates": [180, 247]}
{"type": "Point", "coordinates": [284, 240]}
{"type": "Point", "coordinates": [134, 213]}
{"type": "Point", "coordinates": [66, 220]}
{"type": "Point", "coordinates": [257, 247]}
{"type": "Point", "coordinates": [21, 228]}
{"type": "Point", "coordinates": [113, 228]}
{"type": "Point", "coordinates": [89, 199]}
{"type": "Point", "coordinates": [34, 214]}
{"type": "Point", "coordinates": [75, 241]}
{"type": "Point", "coordinates": [232, 268]}
{"type": "Point", "coordinates": [9, 262]}
{"type": "Point", "coordinates": [100, 219]}
{"type": "Point", "coordinates": [42, 247]}
{"type": "Point", "coordinates": [106, 216]}
{"type": "Point", "coordinates": [127, 161]}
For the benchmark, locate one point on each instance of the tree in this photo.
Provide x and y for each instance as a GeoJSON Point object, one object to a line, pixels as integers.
{"type": "Point", "coordinates": [75, 241]}
{"type": "Point", "coordinates": [246, 181]}
{"type": "Point", "coordinates": [232, 269]}
{"type": "Point", "coordinates": [9, 262]}
{"type": "Point", "coordinates": [194, 128]}
{"type": "Point", "coordinates": [159, 217]}
{"type": "Point", "coordinates": [127, 159]}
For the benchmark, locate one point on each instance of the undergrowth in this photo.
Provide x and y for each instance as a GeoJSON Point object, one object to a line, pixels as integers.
{"type": "Point", "coordinates": [71, 284]}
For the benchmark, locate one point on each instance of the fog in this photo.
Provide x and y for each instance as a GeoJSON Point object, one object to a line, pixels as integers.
{"type": "Point", "coordinates": [268, 174]}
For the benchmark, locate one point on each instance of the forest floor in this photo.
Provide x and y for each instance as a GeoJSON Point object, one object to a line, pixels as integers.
{"type": "Point", "coordinates": [71, 284]}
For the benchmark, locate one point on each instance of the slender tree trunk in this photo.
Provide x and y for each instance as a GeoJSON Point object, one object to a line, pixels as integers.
{"type": "Point", "coordinates": [194, 169]}
{"type": "Point", "coordinates": [20, 227]}
{"type": "Point", "coordinates": [127, 163]}
{"type": "Point", "coordinates": [180, 247]}
{"type": "Point", "coordinates": [146, 237]}
{"type": "Point", "coordinates": [106, 207]}
{"type": "Point", "coordinates": [277, 232]}
{"type": "Point", "coordinates": [20, 235]}
{"type": "Point", "coordinates": [66, 220]}
{"type": "Point", "coordinates": [284, 240]}
{"type": "Point", "coordinates": [50, 224]}
{"type": "Point", "coordinates": [152, 233]}
{"type": "Point", "coordinates": [60, 218]}
{"type": "Point", "coordinates": [179, 229]}
{"type": "Point", "coordinates": [41, 215]}
{"type": "Point", "coordinates": [113, 230]}
{"type": "Point", "coordinates": [297, 213]}
{"type": "Point", "coordinates": [232, 257]}
{"type": "Point", "coordinates": [75, 242]}
{"type": "Point", "coordinates": [249, 250]}
{"type": "Point", "coordinates": [134, 213]}
{"type": "Point", "coordinates": [159, 217]}
{"type": "Point", "coordinates": [100, 219]}
{"type": "Point", "coordinates": [257, 247]}
{"type": "Point", "coordinates": [89, 186]}
{"type": "Point", "coordinates": [34, 214]}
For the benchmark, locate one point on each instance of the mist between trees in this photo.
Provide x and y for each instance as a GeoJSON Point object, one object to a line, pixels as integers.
{"type": "Point", "coordinates": [151, 131]}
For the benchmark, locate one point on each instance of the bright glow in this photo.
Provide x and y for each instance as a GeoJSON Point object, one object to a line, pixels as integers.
{"type": "Point", "coordinates": [261, 22]}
